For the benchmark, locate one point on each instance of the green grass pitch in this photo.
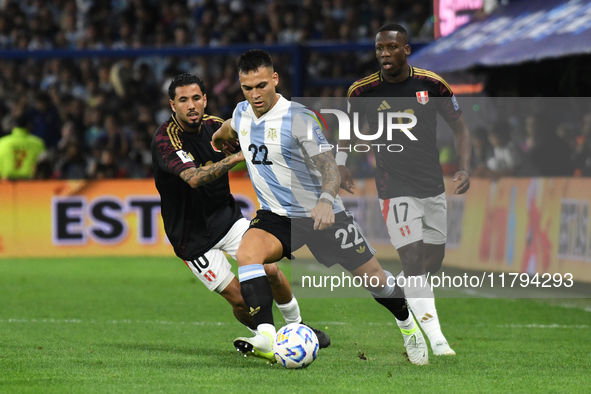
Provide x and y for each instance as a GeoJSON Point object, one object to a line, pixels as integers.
{"type": "Point", "coordinates": [131, 325]}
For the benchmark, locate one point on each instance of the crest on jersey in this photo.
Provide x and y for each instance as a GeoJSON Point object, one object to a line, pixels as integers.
{"type": "Point", "coordinates": [423, 97]}
{"type": "Point", "coordinates": [272, 133]}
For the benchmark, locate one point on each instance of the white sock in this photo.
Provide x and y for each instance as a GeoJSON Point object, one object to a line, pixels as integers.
{"type": "Point", "coordinates": [266, 327]}
{"type": "Point", "coordinates": [254, 332]}
{"type": "Point", "coordinates": [290, 311]}
{"type": "Point", "coordinates": [407, 326]}
{"type": "Point", "coordinates": [421, 300]}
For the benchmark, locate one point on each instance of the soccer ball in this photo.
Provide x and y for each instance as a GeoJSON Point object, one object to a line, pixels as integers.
{"type": "Point", "coordinates": [295, 346]}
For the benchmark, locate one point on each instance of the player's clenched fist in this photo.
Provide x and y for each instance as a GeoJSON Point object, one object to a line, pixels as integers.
{"type": "Point", "coordinates": [323, 216]}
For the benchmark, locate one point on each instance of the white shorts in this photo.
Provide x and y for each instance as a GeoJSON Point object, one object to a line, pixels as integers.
{"type": "Point", "coordinates": [213, 268]}
{"type": "Point", "coordinates": [411, 219]}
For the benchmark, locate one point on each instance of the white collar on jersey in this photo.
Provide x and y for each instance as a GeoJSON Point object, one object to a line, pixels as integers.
{"type": "Point", "coordinates": [278, 105]}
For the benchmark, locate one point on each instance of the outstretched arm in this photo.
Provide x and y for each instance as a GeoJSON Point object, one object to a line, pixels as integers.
{"type": "Point", "coordinates": [196, 177]}
{"type": "Point", "coordinates": [224, 133]}
{"type": "Point", "coordinates": [322, 213]}
{"type": "Point", "coordinates": [464, 150]}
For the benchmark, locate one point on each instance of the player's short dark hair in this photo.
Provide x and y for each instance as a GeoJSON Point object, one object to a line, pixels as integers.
{"type": "Point", "coordinates": [393, 27]}
{"type": "Point", "coordinates": [402, 33]}
{"type": "Point", "coordinates": [184, 79]}
{"type": "Point", "coordinates": [254, 59]}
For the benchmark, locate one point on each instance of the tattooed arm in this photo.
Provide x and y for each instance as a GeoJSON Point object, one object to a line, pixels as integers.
{"type": "Point", "coordinates": [322, 213]}
{"type": "Point", "coordinates": [196, 177]}
{"type": "Point", "coordinates": [331, 179]}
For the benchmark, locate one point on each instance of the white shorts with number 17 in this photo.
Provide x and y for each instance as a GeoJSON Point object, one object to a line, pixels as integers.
{"type": "Point", "coordinates": [411, 219]}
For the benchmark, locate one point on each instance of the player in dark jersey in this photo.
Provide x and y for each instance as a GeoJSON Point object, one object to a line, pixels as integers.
{"type": "Point", "coordinates": [201, 218]}
{"type": "Point", "coordinates": [409, 180]}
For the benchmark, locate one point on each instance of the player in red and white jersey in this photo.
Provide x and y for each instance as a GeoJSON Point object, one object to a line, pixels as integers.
{"type": "Point", "coordinates": [201, 218]}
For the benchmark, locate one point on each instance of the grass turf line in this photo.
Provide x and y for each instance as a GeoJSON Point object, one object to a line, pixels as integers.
{"type": "Point", "coordinates": [147, 325]}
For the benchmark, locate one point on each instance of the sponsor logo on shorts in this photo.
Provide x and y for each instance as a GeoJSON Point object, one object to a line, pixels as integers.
{"type": "Point", "coordinates": [360, 249]}
{"type": "Point", "coordinates": [254, 221]}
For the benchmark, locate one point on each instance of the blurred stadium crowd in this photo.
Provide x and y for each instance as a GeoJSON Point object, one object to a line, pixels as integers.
{"type": "Point", "coordinates": [96, 115]}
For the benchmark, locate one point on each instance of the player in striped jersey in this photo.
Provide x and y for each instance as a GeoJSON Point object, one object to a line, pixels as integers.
{"type": "Point", "coordinates": [410, 182]}
{"type": "Point", "coordinates": [296, 184]}
{"type": "Point", "coordinates": [201, 218]}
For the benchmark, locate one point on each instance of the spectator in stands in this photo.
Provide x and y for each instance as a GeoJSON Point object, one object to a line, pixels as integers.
{"type": "Point", "coordinates": [481, 151]}
{"type": "Point", "coordinates": [106, 167]}
{"type": "Point", "coordinates": [139, 161]}
{"type": "Point", "coordinates": [73, 163]}
{"type": "Point", "coordinates": [121, 76]}
{"type": "Point", "coordinates": [20, 151]}
{"type": "Point", "coordinates": [114, 139]}
{"type": "Point", "coordinates": [507, 157]}
{"type": "Point", "coordinates": [582, 152]}
{"type": "Point", "coordinates": [547, 154]}
{"type": "Point", "coordinates": [45, 120]}
{"type": "Point", "coordinates": [93, 126]}
{"type": "Point", "coordinates": [5, 39]}
{"type": "Point", "coordinates": [59, 91]}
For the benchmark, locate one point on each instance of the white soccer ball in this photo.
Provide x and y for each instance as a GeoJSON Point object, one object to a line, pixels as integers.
{"type": "Point", "coordinates": [295, 346]}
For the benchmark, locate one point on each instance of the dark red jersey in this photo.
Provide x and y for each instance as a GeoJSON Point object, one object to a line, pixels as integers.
{"type": "Point", "coordinates": [415, 170]}
{"type": "Point", "coordinates": [194, 219]}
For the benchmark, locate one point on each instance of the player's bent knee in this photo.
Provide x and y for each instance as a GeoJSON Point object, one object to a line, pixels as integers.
{"type": "Point", "coordinates": [376, 277]}
{"type": "Point", "coordinates": [272, 271]}
{"type": "Point", "coordinates": [247, 255]}
{"type": "Point", "coordinates": [273, 274]}
{"type": "Point", "coordinates": [412, 258]}
{"type": "Point", "coordinates": [434, 266]}
{"type": "Point", "coordinates": [434, 255]}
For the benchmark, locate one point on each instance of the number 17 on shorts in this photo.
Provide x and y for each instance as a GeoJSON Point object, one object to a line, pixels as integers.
{"type": "Point", "coordinates": [403, 220]}
{"type": "Point", "coordinates": [411, 219]}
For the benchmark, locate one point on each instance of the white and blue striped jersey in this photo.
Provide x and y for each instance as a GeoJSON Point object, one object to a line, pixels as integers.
{"type": "Point", "coordinates": [277, 150]}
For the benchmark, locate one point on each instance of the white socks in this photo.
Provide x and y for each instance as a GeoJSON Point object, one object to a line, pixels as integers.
{"type": "Point", "coordinates": [421, 300]}
{"type": "Point", "coordinates": [266, 327]}
{"type": "Point", "coordinates": [407, 326]}
{"type": "Point", "coordinates": [290, 311]}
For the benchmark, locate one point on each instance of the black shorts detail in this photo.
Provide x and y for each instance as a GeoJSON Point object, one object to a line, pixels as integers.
{"type": "Point", "coordinates": [342, 244]}
{"type": "Point", "coordinates": [279, 226]}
